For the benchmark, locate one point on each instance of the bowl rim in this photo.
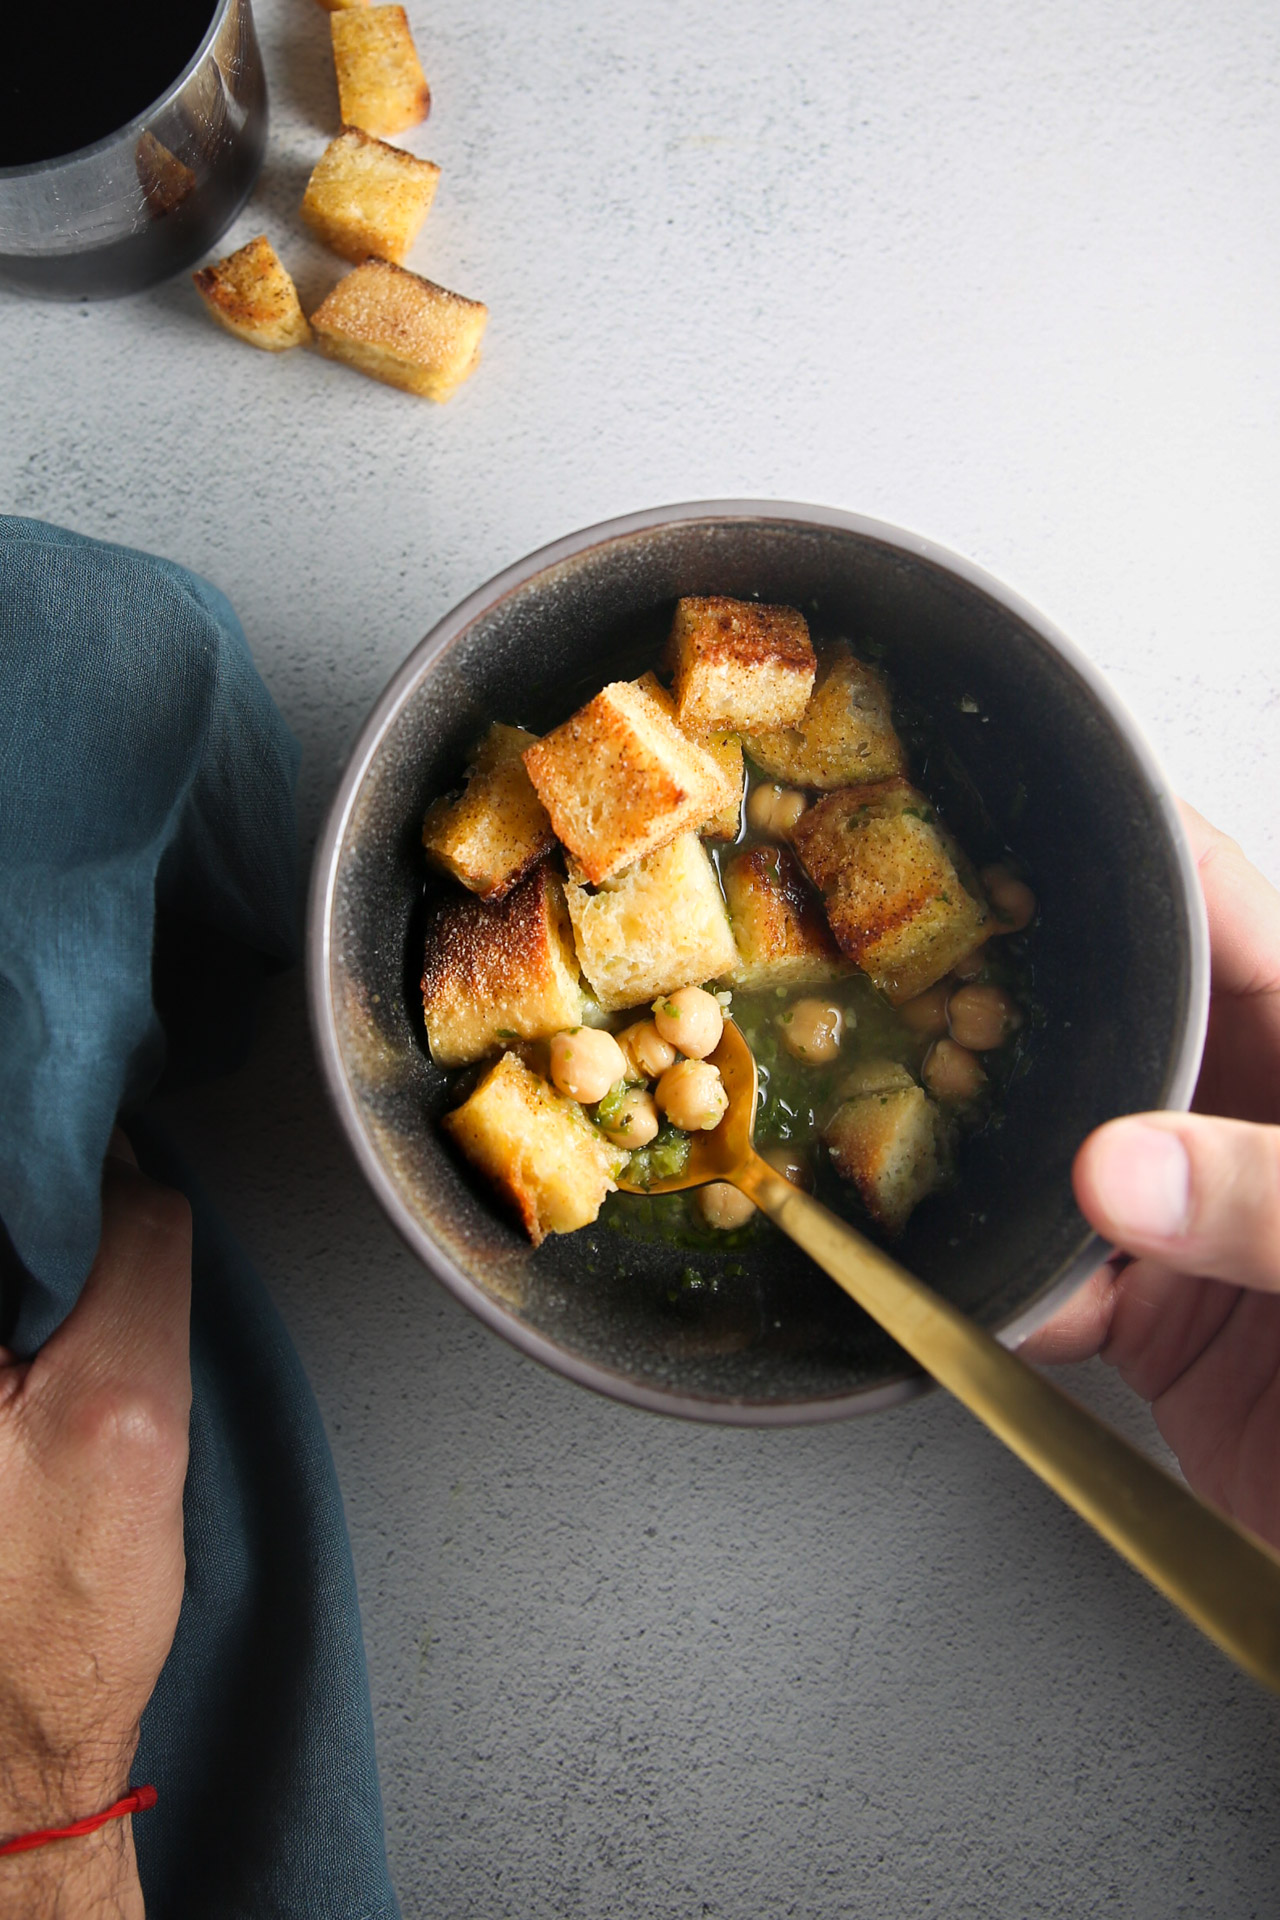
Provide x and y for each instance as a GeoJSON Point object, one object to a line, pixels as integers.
{"type": "Point", "coordinates": [592, 1374]}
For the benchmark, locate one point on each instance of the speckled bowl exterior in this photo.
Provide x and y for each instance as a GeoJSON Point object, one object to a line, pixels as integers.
{"type": "Point", "coordinates": [1035, 754]}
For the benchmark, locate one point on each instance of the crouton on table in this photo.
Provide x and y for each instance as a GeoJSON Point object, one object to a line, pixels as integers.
{"type": "Point", "coordinates": [498, 827]}
{"type": "Point", "coordinates": [894, 899]}
{"type": "Point", "coordinates": [888, 1144]}
{"type": "Point", "coordinates": [538, 1148]}
{"type": "Point", "coordinates": [620, 779]}
{"type": "Point", "coordinates": [779, 927]}
{"type": "Point", "coordinates": [738, 664]}
{"type": "Point", "coordinates": [251, 295]}
{"type": "Point", "coordinates": [381, 85]}
{"type": "Point", "coordinates": [845, 734]}
{"type": "Point", "coordinates": [657, 926]}
{"type": "Point", "coordinates": [399, 328]}
{"type": "Point", "coordinates": [365, 197]}
{"type": "Point", "coordinates": [502, 970]}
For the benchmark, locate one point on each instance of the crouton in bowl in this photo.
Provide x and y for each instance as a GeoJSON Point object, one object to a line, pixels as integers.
{"type": "Point", "coordinates": [1031, 751]}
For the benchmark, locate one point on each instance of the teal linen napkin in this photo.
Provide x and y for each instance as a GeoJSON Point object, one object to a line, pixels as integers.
{"type": "Point", "coordinates": [148, 877]}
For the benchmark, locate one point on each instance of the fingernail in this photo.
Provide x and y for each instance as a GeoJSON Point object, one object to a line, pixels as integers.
{"type": "Point", "coordinates": [1143, 1181]}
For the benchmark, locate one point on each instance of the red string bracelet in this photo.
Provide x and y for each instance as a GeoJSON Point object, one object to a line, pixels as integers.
{"type": "Point", "coordinates": [136, 1802]}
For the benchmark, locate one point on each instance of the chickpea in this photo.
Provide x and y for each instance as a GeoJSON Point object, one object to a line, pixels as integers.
{"type": "Point", "coordinates": [646, 1052]}
{"type": "Point", "coordinates": [982, 1017]}
{"type": "Point", "coordinates": [792, 1163]}
{"type": "Point", "coordinates": [951, 1072]}
{"type": "Point", "coordinates": [812, 1030]}
{"type": "Point", "coordinates": [585, 1063]}
{"type": "Point", "coordinates": [927, 1013]}
{"type": "Point", "coordinates": [723, 1206]}
{"type": "Point", "coordinates": [689, 1020]}
{"type": "Point", "coordinates": [636, 1121]}
{"type": "Point", "coordinates": [774, 810]}
{"type": "Point", "coordinates": [692, 1096]}
{"type": "Point", "coordinates": [1013, 900]}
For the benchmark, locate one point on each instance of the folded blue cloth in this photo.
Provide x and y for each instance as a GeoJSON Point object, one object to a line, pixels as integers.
{"type": "Point", "coordinates": [147, 879]}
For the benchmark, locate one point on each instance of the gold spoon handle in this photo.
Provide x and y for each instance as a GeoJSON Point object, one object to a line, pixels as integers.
{"type": "Point", "coordinates": [1219, 1575]}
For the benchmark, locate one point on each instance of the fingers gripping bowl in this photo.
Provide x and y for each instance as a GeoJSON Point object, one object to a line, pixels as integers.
{"type": "Point", "coordinates": [1023, 745]}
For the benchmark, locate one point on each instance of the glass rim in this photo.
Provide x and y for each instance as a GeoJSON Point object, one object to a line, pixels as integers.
{"type": "Point", "coordinates": [30, 168]}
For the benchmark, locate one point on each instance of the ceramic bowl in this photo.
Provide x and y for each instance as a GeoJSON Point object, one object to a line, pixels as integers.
{"type": "Point", "coordinates": [1032, 752]}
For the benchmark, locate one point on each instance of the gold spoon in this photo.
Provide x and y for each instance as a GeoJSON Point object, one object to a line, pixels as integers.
{"type": "Point", "coordinates": [1219, 1575]}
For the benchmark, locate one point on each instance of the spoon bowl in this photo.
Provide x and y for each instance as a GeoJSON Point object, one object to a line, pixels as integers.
{"type": "Point", "coordinates": [717, 1152]}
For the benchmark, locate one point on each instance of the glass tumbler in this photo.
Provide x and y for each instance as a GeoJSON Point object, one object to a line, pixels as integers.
{"type": "Point", "coordinates": [150, 199]}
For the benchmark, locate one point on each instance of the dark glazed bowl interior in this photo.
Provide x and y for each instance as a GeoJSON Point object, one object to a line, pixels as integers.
{"type": "Point", "coordinates": [1030, 752]}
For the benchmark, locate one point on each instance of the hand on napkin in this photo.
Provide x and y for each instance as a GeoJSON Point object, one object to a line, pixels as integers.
{"type": "Point", "coordinates": [147, 839]}
{"type": "Point", "coordinates": [93, 1453]}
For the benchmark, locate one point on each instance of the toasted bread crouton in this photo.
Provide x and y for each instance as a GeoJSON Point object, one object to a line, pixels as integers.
{"type": "Point", "coordinates": [887, 1144]}
{"type": "Point", "coordinates": [500, 971]}
{"type": "Point", "coordinates": [874, 1076]}
{"type": "Point", "coordinates": [399, 328]}
{"type": "Point", "coordinates": [780, 930]}
{"type": "Point", "coordinates": [894, 899]}
{"type": "Point", "coordinates": [738, 664]}
{"type": "Point", "coordinates": [337, 6]}
{"type": "Point", "coordinates": [726, 750]}
{"type": "Point", "coordinates": [538, 1148]}
{"type": "Point", "coordinates": [845, 734]}
{"type": "Point", "coordinates": [165, 180]}
{"type": "Point", "coordinates": [495, 831]}
{"type": "Point", "coordinates": [381, 85]}
{"type": "Point", "coordinates": [620, 779]}
{"type": "Point", "coordinates": [251, 295]}
{"type": "Point", "coordinates": [658, 926]}
{"type": "Point", "coordinates": [365, 197]}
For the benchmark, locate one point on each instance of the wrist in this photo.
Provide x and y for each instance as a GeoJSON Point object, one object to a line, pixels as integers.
{"type": "Point", "coordinates": [44, 1786]}
{"type": "Point", "coordinates": [93, 1877]}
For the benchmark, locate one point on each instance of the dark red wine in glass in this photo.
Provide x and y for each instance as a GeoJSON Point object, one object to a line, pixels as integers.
{"type": "Point", "coordinates": [130, 137]}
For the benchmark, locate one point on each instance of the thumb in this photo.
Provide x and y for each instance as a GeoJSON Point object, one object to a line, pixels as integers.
{"type": "Point", "coordinates": [1198, 1194]}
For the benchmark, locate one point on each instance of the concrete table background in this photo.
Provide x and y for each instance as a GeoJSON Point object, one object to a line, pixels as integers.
{"type": "Point", "coordinates": [1004, 274]}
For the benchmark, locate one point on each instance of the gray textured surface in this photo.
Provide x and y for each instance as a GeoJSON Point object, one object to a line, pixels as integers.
{"type": "Point", "coordinates": [1004, 274]}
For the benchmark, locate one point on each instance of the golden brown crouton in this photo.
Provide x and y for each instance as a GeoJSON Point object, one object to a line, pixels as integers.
{"type": "Point", "coordinates": [726, 750]}
{"type": "Point", "coordinates": [845, 734]}
{"type": "Point", "coordinates": [251, 295]}
{"type": "Point", "coordinates": [894, 899]}
{"type": "Point", "coordinates": [365, 197]}
{"type": "Point", "coordinates": [500, 971]}
{"type": "Point", "coordinates": [381, 85]}
{"type": "Point", "coordinates": [739, 664]}
{"type": "Point", "coordinates": [495, 831]}
{"type": "Point", "coordinates": [620, 779]}
{"type": "Point", "coordinates": [538, 1148]}
{"type": "Point", "coordinates": [887, 1143]}
{"type": "Point", "coordinates": [397, 327]}
{"type": "Point", "coordinates": [165, 180]}
{"type": "Point", "coordinates": [778, 924]}
{"type": "Point", "coordinates": [654, 928]}
{"type": "Point", "coordinates": [874, 1076]}
{"type": "Point", "coordinates": [337, 6]}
